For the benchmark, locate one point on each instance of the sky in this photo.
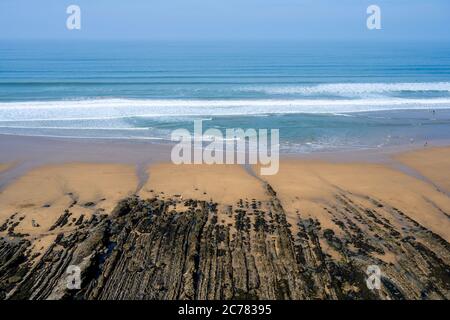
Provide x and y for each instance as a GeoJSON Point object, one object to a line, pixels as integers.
{"type": "Point", "coordinates": [408, 20]}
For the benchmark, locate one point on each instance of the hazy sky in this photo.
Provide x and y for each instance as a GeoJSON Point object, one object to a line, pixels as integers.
{"type": "Point", "coordinates": [225, 19]}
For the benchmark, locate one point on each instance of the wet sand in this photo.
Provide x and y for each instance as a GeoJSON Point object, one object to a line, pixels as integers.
{"type": "Point", "coordinates": [4, 167]}
{"type": "Point", "coordinates": [27, 153]}
{"type": "Point", "coordinates": [431, 163]}
{"type": "Point", "coordinates": [59, 197]}
{"type": "Point", "coordinates": [224, 183]}
{"type": "Point", "coordinates": [38, 198]}
{"type": "Point", "coordinates": [43, 177]}
{"type": "Point", "coordinates": [310, 188]}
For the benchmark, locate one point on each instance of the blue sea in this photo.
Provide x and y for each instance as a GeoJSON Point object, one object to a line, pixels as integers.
{"type": "Point", "coordinates": [320, 95]}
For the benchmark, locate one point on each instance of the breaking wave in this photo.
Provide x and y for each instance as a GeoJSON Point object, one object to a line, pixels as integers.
{"type": "Point", "coordinates": [353, 89]}
{"type": "Point", "coordinates": [123, 108]}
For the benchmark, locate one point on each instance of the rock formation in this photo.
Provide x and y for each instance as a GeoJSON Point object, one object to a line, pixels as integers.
{"type": "Point", "coordinates": [188, 249]}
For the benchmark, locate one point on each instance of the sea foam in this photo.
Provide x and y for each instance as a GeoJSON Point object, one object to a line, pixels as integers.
{"type": "Point", "coordinates": [123, 108]}
{"type": "Point", "coordinates": [352, 89]}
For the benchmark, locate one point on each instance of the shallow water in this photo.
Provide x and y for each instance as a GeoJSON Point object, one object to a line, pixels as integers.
{"type": "Point", "coordinates": [321, 96]}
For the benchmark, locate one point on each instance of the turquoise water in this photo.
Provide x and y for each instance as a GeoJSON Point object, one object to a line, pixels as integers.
{"type": "Point", "coordinates": [320, 96]}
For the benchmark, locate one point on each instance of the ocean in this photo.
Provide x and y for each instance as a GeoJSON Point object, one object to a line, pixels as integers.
{"type": "Point", "coordinates": [322, 96]}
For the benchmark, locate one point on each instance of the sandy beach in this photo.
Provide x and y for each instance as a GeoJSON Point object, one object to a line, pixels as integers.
{"type": "Point", "coordinates": [247, 153]}
{"type": "Point", "coordinates": [42, 177]}
{"type": "Point", "coordinates": [52, 188]}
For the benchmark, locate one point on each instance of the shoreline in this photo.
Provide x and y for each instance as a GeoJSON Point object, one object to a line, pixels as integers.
{"type": "Point", "coordinates": [316, 224]}
{"type": "Point", "coordinates": [30, 155]}
{"type": "Point", "coordinates": [29, 152]}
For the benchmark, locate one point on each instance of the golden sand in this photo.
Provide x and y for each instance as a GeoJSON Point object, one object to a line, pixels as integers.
{"type": "Point", "coordinates": [433, 163]}
{"type": "Point", "coordinates": [41, 196]}
{"type": "Point", "coordinates": [306, 188]}
{"type": "Point", "coordinates": [4, 166]}
{"type": "Point", "coordinates": [224, 184]}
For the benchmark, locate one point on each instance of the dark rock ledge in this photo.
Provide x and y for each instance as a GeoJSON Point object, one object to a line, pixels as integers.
{"type": "Point", "coordinates": [147, 250]}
